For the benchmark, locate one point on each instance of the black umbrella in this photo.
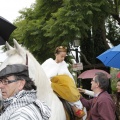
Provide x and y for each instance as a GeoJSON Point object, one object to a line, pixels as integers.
{"type": "Point", "coordinates": [6, 28]}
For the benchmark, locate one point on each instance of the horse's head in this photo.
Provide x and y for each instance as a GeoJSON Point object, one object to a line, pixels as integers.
{"type": "Point", "coordinates": [19, 55]}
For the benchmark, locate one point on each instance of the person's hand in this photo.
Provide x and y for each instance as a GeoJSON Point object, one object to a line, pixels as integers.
{"type": "Point", "coordinates": [81, 90]}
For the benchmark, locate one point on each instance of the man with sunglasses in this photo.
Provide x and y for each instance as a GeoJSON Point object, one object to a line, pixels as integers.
{"type": "Point", "coordinates": [101, 107]}
{"type": "Point", "coordinates": [19, 95]}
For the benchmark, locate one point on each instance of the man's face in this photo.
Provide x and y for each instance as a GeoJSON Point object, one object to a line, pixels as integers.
{"type": "Point", "coordinates": [8, 90]}
{"type": "Point", "coordinates": [94, 84]}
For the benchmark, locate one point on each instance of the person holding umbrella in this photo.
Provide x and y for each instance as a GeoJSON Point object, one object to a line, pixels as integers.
{"type": "Point", "coordinates": [101, 106]}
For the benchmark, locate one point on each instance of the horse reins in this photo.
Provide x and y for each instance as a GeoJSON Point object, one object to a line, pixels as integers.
{"type": "Point", "coordinates": [26, 59]}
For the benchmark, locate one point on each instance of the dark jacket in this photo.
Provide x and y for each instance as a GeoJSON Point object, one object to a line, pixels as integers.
{"type": "Point", "coordinates": [101, 108]}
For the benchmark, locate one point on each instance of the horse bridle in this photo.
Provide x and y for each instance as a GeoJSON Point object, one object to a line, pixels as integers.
{"type": "Point", "coordinates": [26, 59]}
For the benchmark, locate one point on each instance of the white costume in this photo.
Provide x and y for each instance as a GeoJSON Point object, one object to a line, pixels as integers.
{"type": "Point", "coordinates": [52, 69]}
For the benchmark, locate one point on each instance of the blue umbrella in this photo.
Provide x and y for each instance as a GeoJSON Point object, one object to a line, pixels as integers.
{"type": "Point", "coordinates": [111, 57]}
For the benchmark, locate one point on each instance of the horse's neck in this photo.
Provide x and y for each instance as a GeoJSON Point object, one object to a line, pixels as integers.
{"type": "Point", "coordinates": [44, 90]}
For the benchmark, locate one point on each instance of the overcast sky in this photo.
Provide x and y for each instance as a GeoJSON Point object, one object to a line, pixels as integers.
{"type": "Point", "coordinates": [9, 8]}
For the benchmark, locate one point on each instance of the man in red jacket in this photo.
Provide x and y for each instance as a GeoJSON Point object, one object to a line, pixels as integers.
{"type": "Point", "coordinates": [101, 107]}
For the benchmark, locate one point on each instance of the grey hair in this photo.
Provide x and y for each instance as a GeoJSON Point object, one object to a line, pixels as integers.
{"type": "Point", "coordinates": [102, 79]}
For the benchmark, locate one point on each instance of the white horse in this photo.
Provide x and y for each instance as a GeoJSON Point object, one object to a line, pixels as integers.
{"type": "Point", "coordinates": [17, 55]}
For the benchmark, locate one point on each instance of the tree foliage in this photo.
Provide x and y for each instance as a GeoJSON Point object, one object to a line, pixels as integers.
{"type": "Point", "coordinates": [50, 23]}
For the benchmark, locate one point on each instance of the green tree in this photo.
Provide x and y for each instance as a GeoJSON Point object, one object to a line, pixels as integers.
{"type": "Point", "coordinates": [49, 23]}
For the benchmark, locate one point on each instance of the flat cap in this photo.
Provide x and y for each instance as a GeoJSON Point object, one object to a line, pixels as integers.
{"type": "Point", "coordinates": [15, 69]}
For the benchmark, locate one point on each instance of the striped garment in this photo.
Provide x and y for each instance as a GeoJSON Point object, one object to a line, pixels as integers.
{"type": "Point", "coordinates": [25, 106]}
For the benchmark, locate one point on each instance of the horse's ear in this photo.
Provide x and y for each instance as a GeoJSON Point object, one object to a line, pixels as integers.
{"type": "Point", "coordinates": [18, 47]}
{"type": "Point", "coordinates": [8, 46]}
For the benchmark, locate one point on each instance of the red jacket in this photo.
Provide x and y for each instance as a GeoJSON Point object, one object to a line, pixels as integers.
{"type": "Point", "coordinates": [103, 108]}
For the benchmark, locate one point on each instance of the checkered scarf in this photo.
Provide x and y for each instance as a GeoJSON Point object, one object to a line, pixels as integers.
{"type": "Point", "coordinates": [22, 99]}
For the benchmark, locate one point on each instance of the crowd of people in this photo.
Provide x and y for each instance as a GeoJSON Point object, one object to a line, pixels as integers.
{"type": "Point", "coordinates": [102, 106]}
{"type": "Point", "coordinates": [19, 93]}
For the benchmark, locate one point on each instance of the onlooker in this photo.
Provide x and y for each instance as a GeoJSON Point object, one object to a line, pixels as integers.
{"type": "Point", "coordinates": [19, 95]}
{"type": "Point", "coordinates": [101, 106]}
{"type": "Point", "coordinates": [116, 99]}
{"type": "Point", "coordinates": [57, 71]}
